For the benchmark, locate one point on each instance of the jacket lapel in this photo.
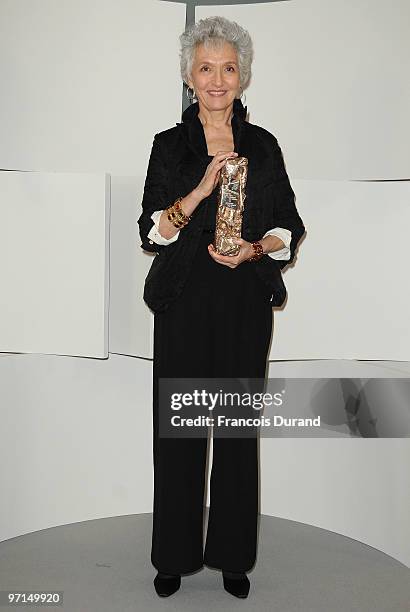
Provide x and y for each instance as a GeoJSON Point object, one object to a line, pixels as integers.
{"type": "Point", "coordinates": [193, 130]}
{"type": "Point", "coordinates": [194, 158]}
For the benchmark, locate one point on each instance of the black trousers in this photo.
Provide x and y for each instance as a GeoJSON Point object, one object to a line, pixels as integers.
{"type": "Point", "coordinates": [220, 326]}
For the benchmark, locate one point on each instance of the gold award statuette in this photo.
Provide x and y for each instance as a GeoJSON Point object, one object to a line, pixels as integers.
{"type": "Point", "coordinates": [231, 200]}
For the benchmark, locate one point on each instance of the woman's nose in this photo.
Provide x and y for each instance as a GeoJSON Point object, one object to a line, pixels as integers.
{"type": "Point", "coordinates": [218, 78]}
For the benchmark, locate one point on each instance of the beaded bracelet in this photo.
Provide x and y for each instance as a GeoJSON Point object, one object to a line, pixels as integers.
{"type": "Point", "coordinates": [257, 251]}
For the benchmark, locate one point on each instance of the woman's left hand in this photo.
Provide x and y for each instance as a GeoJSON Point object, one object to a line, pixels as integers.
{"type": "Point", "coordinates": [232, 261]}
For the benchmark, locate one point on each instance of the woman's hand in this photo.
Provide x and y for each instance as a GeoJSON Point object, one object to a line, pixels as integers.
{"type": "Point", "coordinates": [211, 176]}
{"type": "Point", "coordinates": [232, 261]}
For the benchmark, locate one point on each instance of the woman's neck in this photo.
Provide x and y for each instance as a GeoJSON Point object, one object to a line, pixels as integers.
{"type": "Point", "coordinates": [217, 120]}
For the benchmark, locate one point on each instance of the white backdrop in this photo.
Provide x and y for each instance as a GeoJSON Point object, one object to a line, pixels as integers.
{"type": "Point", "coordinates": [348, 297]}
{"type": "Point", "coordinates": [85, 88]}
{"type": "Point", "coordinates": [329, 79]}
{"type": "Point", "coordinates": [54, 263]}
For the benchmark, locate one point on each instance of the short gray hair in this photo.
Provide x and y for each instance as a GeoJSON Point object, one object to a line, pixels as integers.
{"type": "Point", "coordinates": [213, 31]}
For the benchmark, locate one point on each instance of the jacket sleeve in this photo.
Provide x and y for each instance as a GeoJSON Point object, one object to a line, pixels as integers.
{"type": "Point", "coordinates": [155, 195]}
{"type": "Point", "coordinates": [284, 208]}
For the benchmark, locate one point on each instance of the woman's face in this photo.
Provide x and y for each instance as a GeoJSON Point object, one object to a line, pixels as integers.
{"type": "Point", "coordinates": [215, 70]}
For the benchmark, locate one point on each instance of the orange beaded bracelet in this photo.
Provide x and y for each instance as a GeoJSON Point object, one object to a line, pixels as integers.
{"type": "Point", "coordinates": [257, 251]}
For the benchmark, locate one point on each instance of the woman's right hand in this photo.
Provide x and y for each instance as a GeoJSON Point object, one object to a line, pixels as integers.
{"type": "Point", "coordinates": [211, 176]}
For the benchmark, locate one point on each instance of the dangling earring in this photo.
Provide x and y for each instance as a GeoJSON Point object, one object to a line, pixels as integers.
{"type": "Point", "coordinates": [243, 101]}
{"type": "Point", "coordinates": [190, 98]}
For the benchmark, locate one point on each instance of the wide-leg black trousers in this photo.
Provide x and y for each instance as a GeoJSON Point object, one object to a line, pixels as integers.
{"type": "Point", "coordinates": [220, 326]}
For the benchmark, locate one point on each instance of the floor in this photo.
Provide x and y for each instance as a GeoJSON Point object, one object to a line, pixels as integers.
{"type": "Point", "coordinates": [104, 566]}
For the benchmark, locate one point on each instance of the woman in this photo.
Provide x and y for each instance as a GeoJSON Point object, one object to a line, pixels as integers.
{"type": "Point", "coordinates": [212, 313]}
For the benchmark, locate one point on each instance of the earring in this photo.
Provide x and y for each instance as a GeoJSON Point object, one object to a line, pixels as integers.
{"type": "Point", "coordinates": [190, 98]}
{"type": "Point", "coordinates": [243, 101]}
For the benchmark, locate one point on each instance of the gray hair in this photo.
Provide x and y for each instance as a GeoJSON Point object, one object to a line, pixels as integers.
{"type": "Point", "coordinates": [214, 31]}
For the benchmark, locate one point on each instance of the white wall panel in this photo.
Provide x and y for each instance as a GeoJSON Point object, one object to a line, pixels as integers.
{"type": "Point", "coordinates": [330, 80]}
{"type": "Point", "coordinates": [77, 445]}
{"type": "Point", "coordinates": [358, 488]}
{"type": "Point", "coordinates": [131, 322]}
{"type": "Point", "coordinates": [54, 263]}
{"type": "Point", "coordinates": [84, 83]}
{"type": "Point", "coordinates": [348, 297]}
{"type": "Point", "coordinates": [76, 440]}
{"type": "Point", "coordinates": [85, 86]}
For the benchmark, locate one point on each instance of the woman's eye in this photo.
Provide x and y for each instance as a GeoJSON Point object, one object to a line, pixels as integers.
{"type": "Point", "coordinates": [229, 68]}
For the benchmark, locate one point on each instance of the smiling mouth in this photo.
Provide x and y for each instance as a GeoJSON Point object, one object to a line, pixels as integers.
{"type": "Point", "coordinates": [216, 93]}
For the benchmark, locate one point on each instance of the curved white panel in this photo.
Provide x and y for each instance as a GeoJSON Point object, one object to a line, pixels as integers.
{"type": "Point", "coordinates": [329, 79]}
{"type": "Point", "coordinates": [77, 440]}
{"type": "Point", "coordinates": [358, 488]}
{"type": "Point", "coordinates": [77, 445]}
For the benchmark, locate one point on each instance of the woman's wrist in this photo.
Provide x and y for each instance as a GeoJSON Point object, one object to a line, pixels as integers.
{"type": "Point", "coordinates": [256, 251]}
{"type": "Point", "coordinates": [195, 197]}
{"type": "Point", "coordinates": [165, 227]}
{"type": "Point", "coordinates": [176, 215]}
{"type": "Point", "coordinates": [271, 243]}
{"type": "Point", "coordinates": [188, 204]}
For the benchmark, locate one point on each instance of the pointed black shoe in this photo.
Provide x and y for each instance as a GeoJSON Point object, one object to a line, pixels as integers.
{"type": "Point", "coordinates": [166, 584]}
{"type": "Point", "coordinates": [236, 583]}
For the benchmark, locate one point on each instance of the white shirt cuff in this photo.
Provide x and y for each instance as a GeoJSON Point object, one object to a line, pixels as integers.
{"type": "Point", "coordinates": [286, 236]}
{"type": "Point", "coordinates": [282, 233]}
{"type": "Point", "coordinates": [154, 234]}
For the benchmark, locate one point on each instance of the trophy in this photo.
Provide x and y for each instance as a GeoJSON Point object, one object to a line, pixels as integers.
{"type": "Point", "coordinates": [231, 199]}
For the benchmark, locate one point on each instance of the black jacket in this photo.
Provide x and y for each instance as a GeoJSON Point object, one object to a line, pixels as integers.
{"type": "Point", "coordinates": [177, 163]}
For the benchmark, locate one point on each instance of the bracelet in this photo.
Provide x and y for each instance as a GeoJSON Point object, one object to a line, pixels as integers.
{"type": "Point", "coordinates": [257, 251]}
{"type": "Point", "coordinates": [176, 215]}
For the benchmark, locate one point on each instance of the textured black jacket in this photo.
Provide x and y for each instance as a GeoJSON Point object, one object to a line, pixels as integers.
{"type": "Point", "coordinates": [177, 163]}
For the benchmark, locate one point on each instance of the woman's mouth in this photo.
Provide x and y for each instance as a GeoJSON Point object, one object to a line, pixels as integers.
{"type": "Point", "coordinates": [216, 93]}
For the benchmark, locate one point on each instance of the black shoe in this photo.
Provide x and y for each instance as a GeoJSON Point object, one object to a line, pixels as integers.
{"type": "Point", "coordinates": [236, 583]}
{"type": "Point", "coordinates": [166, 584]}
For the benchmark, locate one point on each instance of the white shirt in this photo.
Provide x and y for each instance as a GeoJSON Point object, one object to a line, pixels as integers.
{"type": "Point", "coordinates": [280, 232]}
